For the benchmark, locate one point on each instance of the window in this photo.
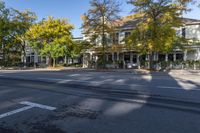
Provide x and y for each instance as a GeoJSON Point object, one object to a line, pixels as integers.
{"type": "Point", "coordinates": [110, 57]}
{"type": "Point", "coordinates": [134, 58]}
{"type": "Point", "coordinates": [161, 57]}
{"type": "Point", "coordinates": [39, 59]}
{"type": "Point", "coordinates": [115, 56]}
{"type": "Point", "coordinates": [127, 34]}
{"type": "Point", "coordinates": [116, 38]}
{"type": "Point", "coordinates": [170, 57]}
{"type": "Point", "coordinates": [183, 32]}
{"type": "Point", "coordinates": [179, 56]}
{"type": "Point", "coordinates": [127, 57]}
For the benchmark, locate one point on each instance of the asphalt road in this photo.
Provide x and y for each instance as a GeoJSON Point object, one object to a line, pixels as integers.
{"type": "Point", "coordinates": [81, 107]}
{"type": "Point", "coordinates": [186, 87]}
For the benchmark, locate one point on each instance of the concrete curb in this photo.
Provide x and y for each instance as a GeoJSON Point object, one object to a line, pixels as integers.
{"type": "Point", "coordinates": [135, 71]}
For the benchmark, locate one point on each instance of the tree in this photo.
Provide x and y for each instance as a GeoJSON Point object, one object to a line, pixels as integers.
{"type": "Point", "coordinates": [13, 26]}
{"type": "Point", "coordinates": [4, 28]}
{"type": "Point", "coordinates": [51, 38]}
{"type": "Point", "coordinates": [22, 21]}
{"type": "Point", "coordinates": [156, 31]}
{"type": "Point", "coordinates": [98, 21]}
{"type": "Point", "coordinates": [78, 47]}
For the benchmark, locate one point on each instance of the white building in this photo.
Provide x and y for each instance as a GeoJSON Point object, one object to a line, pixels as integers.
{"type": "Point", "coordinates": [32, 57]}
{"type": "Point", "coordinates": [118, 53]}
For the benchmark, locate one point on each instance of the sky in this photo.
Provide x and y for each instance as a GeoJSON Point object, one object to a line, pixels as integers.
{"type": "Point", "coordinates": [72, 10]}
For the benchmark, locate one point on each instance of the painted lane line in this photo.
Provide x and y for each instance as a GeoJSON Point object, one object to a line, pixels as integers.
{"type": "Point", "coordinates": [62, 81]}
{"type": "Point", "coordinates": [169, 87]}
{"type": "Point", "coordinates": [30, 105]}
{"type": "Point", "coordinates": [15, 111]}
{"type": "Point", "coordinates": [97, 83]}
{"type": "Point", "coordinates": [38, 105]}
{"type": "Point", "coordinates": [51, 79]}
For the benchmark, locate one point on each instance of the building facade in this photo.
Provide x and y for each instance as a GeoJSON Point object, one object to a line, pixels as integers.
{"type": "Point", "coordinates": [33, 57]}
{"type": "Point", "coordinates": [118, 56]}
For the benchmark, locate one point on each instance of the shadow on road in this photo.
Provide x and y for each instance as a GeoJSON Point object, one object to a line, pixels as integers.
{"type": "Point", "coordinates": [93, 109]}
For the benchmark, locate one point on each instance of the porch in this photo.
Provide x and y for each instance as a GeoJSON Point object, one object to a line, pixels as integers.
{"type": "Point", "coordinates": [129, 59]}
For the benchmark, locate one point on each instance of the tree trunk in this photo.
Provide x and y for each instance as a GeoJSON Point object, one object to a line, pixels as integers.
{"type": "Point", "coordinates": [50, 62]}
{"type": "Point", "coordinates": [24, 55]}
{"type": "Point", "coordinates": [151, 65]}
{"type": "Point", "coordinates": [65, 60]}
{"type": "Point", "coordinates": [72, 61]}
{"type": "Point", "coordinates": [3, 56]}
{"type": "Point", "coordinates": [54, 62]}
{"type": "Point", "coordinates": [103, 43]}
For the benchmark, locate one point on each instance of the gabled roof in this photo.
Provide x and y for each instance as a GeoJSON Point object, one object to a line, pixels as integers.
{"type": "Point", "coordinates": [189, 21]}
{"type": "Point", "coordinates": [128, 23]}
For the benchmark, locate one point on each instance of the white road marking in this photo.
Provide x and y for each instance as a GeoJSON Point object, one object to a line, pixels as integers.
{"type": "Point", "coordinates": [30, 105]}
{"type": "Point", "coordinates": [177, 88]}
{"type": "Point", "coordinates": [62, 81]}
{"type": "Point", "coordinates": [169, 87]}
{"type": "Point", "coordinates": [38, 105]}
{"type": "Point", "coordinates": [51, 79]}
{"type": "Point", "coordinates": [15, 111]}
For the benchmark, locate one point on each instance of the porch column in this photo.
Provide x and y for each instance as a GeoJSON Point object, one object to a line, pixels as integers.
{"type": "Point", "coordinates": [138, 61]}
{"type": "Point", "coordinates": [23, 58]}
{"type": "Point", "coordinates": [166, 57]}
{"type": "Point", "coordinates": [113, 57]}
{"type": "Point", "coordinates": [124, 64]}
{"type": "Point", "coordinates": [131, 57]}
{"type": "Point", "coordinates": [117, 56]}
{"type": "Point", "coordinates": [174, 56]}
{"type": "Point", "coordinates": [198, 54]}
{"type": "Point", "coordinates": [35, 57]}
{"type": "Point", "coordinates": [47, 60]}
{"type": "Point", "coordinates": [106, 57]}
{"type": "Point", "coordinates": [185, 55]}
{"type": "Point", "coordinates": [65, 60]}
{"type": "Point", "coordinates": [96, 58]}
{"type": "Point", "coordinates": [86, 58]}
{"type": "Point", "coordinates": [147, 57]}
{"type": "Point", "coordinates": [155, 56]}
{"type": "Point", "coordinates": [41, 59]}
{"type": "Point", "coordinates": [90, 56]}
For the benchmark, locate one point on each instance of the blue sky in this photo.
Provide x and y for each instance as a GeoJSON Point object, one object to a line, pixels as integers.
{"type": "Point", "coordinates": [71, 9]}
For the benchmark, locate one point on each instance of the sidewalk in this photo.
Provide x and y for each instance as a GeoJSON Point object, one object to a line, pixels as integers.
{"type": "Point", "coordinates": [132, 71]}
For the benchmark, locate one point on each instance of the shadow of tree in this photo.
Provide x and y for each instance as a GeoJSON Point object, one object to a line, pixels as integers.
{"type": "Point", "coordinates": [107, 102]}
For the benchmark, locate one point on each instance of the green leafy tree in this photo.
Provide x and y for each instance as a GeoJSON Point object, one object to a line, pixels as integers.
{"type": "Point", "coordinates": [51, 38]}
{"type": "Point", "coordinates": [13, 26]}
{"type": "Point", "coordinates": [158, 21]}
{"type": "Point", "coordinates": [4, 28]}
{"type": "Point", "coordinates": [78, 47]}
{"type": "Point", "coordinates": [22, 21]}
{"type": "Point", "coordinates": [98, 21]}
